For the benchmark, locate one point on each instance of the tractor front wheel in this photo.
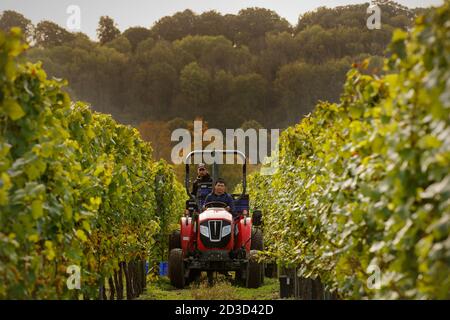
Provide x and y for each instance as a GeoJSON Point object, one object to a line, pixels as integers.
{"type": "Point", "coordinates": [176, 268]}
{"type": "Point", "coordinates": [257, 241]}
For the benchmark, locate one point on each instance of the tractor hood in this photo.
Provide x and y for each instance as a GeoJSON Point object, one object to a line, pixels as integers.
{"type": "Point", "coordinates": [215, 213]}
{"type": "Point", "coordinates": [215, 228]}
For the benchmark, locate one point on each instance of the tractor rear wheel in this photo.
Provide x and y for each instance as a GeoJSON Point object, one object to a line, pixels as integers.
{"type": "Point", "coordinates": [254, 270]}
{"type": "Point", "coordinates": [257, 242]}
{"type": "Point", "coordinates": [176, 268]}
{"type": "Point", "coordinates": [174, 240]}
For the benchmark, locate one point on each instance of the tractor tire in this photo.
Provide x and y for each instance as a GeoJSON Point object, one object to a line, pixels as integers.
{"type": "Point", "coordinates": [174, 240]}
{"type": "Point", "coordinates": [176, 268]}
{"type": "Point", "coordinates": [257, 242]}
{"type": "Point", "coordinates": [254, 270]}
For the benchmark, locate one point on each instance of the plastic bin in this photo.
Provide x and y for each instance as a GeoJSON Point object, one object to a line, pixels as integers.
{"type": "Point", "coordinates": [163, 268]}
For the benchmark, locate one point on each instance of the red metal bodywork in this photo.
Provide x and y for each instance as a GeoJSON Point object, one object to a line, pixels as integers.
{"type": "Point", "coordinates": [245, 233]}
{"type": "Point", "coordinates": [190, 235]}
{"type": "Point", "coordinates": [187, 234]}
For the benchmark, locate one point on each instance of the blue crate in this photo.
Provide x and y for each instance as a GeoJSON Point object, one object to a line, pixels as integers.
{"type": "Point", "coordinates": [163, 268]}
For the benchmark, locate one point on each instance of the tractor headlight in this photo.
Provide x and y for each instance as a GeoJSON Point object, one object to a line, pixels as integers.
{"type": "Point", "coordinates": [204, 231]}
{"type": "Point", "coordinates": [226, 231]}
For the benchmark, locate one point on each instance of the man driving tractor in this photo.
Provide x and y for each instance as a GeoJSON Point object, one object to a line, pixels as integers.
{"type": "Point", "coordinates": [219, 195]}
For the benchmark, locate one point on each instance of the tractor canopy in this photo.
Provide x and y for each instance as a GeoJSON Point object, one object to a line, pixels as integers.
{"type": "Point", "coordinates": [197, 201]}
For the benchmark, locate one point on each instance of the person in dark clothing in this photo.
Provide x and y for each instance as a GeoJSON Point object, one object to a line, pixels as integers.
{"type": "Point", "coordinates": [220, 195]}
{"type": "Point", "coordinates": [202, 177]}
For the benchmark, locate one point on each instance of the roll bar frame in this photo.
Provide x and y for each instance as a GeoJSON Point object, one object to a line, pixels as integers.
{"type": "Point", "coordinates": [213, 153]}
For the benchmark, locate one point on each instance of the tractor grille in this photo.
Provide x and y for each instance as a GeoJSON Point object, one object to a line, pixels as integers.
{"type": "Point", "coordinates": [215, 237]}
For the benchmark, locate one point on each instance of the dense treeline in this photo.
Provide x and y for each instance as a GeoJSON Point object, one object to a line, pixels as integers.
{"type": "Point", "coordinates": [227, 69]}
{"type": "Point", "coordinates": [76, 188]}
{"type": "Point", "coordinates": [361, 199]}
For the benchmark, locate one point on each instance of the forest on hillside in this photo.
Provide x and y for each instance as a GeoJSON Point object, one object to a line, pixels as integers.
{"type": "Point", "coordinates": [226, 69]}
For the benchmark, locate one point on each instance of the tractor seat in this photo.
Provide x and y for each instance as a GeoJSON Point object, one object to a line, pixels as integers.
{"type": "Point", "coordinates": [241, 203]}
{"type": "Point", "coordinates": [204, 189]}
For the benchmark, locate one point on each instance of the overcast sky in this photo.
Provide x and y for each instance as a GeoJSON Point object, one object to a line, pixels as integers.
{"type": "Point", "coordinates": [127, 13]}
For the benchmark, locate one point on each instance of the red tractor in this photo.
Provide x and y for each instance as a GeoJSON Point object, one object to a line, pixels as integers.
{"type": "Point", "coordinates": [211, 239]}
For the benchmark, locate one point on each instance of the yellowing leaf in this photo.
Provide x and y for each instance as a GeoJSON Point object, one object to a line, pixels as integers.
{"type": "Point", "coordinates": [5, 185]}
{"type": "Point", "coordinates": [33, 238]}
{"type": "Point", "coordinates": [90, 133]}
{"type": "Point", "coordinates": [95, 201]}
{"type": "Point", "coordinates": [68, 212]}
{"type": "Point", "coordinates": [13, 109]}
{"type": "Point", "coordinates": [100, 168]}
{"type": "Point", "coordinates": [86, 226]}
{"type": "Point", "coordinates": [49, 251]}
{"type": "Point", "coordinates": [429, 141]}
{"type": "Point", "coordinates": [37, 209]}
{"type": "Point", "coordinates": [81, 235]}
{"type": "Point", "coordinates": [399, 35]}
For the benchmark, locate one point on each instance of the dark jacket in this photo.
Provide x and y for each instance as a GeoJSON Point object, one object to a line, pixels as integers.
{"type": "Point", "coordinates": [198, 181]}
{"type": "Point", "coordinates": [225, 197]}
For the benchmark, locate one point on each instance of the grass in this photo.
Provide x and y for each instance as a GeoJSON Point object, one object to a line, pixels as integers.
{"type": "Point", "coordinates": [222, 289]}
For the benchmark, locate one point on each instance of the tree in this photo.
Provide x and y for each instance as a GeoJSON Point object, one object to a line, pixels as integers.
{"type": "Point", "coordinates": [49, 34]}
{"type": "Point", "coordinates": [121, 44]}
{"type": "Point", "coordinates": [145, 46]}
{"type": "Point", "coordinates": [107, 30]}
{"type": "Point", "coordinates": [9, 19]}
{"type": "Point", "coordinates": [248, 98]}
{"type": "Point", "coordinates": [136, 35]}
{"type": "Point", "coordinates": [254, 23]}
{"type": "Point", "coordinates": [281, 49]}
{"type": "Point", "coordinates": [158, 88]}
{"type": "Point", "coordinates": [215, 52]}
{"type": "Point", "coordinates": [195, 82]}
{"type": "Point", "coordinates": [175, 27]}
{"type": "Point", "coordinates": [210, 23]}
{"type": "Point", "coordinates": [300, 85]}
{"type": "Point", "coordinates": [251, 124]}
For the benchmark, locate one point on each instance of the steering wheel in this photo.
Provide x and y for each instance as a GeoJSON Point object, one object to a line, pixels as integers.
{"type": "Point", "coordinates": [215, 204]}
